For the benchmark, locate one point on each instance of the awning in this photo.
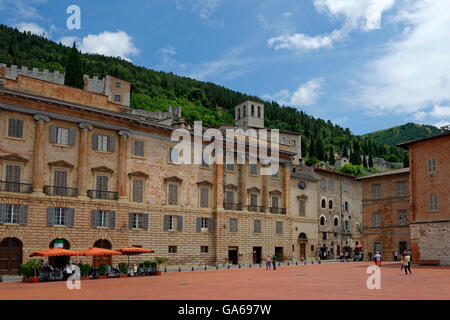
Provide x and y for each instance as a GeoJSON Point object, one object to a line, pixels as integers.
{"type": "Point", "coordinates": [98, 252]}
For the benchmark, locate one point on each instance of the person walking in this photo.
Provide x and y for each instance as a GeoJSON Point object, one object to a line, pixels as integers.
{"type": "Point", "coordinates": [378, 259]}
{"type": "Point", "coordinates": [408, 263]}
{"type": "Point", "coordinates": [274, 261]}
{"type": "Point", "coordinates": [268, 263]}
{"type": "Point", "coordinates": [395, 255]}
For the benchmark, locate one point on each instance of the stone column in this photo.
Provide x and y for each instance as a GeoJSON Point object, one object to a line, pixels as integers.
{"type": "Point", "coordinates": [122, 170]}
{"type": "Point", "coordinates": [83, 158]}
{"type": "Point", "coordinates": [219, 185]}
{"type": "Point", "coordinates": [286, 172]}
{"type": "Point", "coordinates": [39, 153]}
{"type": "Point", "coordinates": [243, 185]}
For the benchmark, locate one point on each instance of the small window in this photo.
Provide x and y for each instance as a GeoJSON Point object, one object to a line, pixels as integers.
{"type": "Point", "coordinates": [376, 219]}
{"type": "Point", "coordinates": [274, 202]}
{"type": "Point", "coordinates": [12, 214]}
{"type": "Point", "coordinates": [204, 224]}
{"type": "Point", "coordinates": [138, 149]}
{"type": "Point", "coordinates": [102, 143]}
{"type": "Point", "coordinates": [172, 223]}
{"type": "Point", "coordinates": [63, 136]}
{"type": "Point", "coordinates": [330, 204]}
{"type": "Point", "coordinates": [331, 185]}
{"type": "Point", "coordinates": [204, 197]}
{"type": "Point", "coordinates": [230, 167]}
{"type": "Point", "coordinates": [402, 218]}
{"type": "Point", "coordinates": [139, 221]}
{"type": "Point", "coordinates": [173, 155]}
{"type": "Point", "coordinates": [376, 191]}
{"type": "Point", "coordinates": [204, 249]}
{"type": "Point", "coordinates": [324, 203]}
{"type": "Point", "coordinates": [346, 206]}
{"type": "Point", "coordinates": [431, 165]}
{"type": "Point", "coordinates": [15, 128]}
{"type": "Point", "coordinates": [324, 236]}
{"type": "Point", "coordinates": [173, 194]}
{"type": "Point", "coordinates": [172, 249]}
{"type": "Point", "coordinates": [257, 226]}
{"type": "Point", "coordinates": [401, 189]}
{"type": "Point", "coordinates": [254, 169]}
{"type": "Point", "coordinates": [117, 84]}
{"type": "Point", "coordinates": [117, 98]}
{"type": "Point", "coordinates": [253, 199]}
{"type": "Point", "coordinates": [336, 222]}
{"type": "Point", "coordinates": [138, 190]}
{"type": "Point", "coordinates": [345, 187]}
{"type": "Point", "coordinates": [433, 202]}
{"type": "Point", "coordinates": [302, 208]}
{"type": "Point", "coordinates": [322, 221]}
{"type": "Point", "coordinates": [233, 225]}
{"type": "Point", "coordinates": [323, 183]}
{"type": "Point", "coordinates": [60, 216]}
{"type": "Point", "coordinates": [103, 218]}
{"type": "Point", "coordinates": [279, 227]}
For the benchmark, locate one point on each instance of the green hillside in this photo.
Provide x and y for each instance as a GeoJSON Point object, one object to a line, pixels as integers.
{"type": "Point", "coordinates": [211, 103]}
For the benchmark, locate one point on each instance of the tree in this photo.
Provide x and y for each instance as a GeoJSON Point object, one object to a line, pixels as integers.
{"type": "Point", "coordinates": [370, 161]}
{"type": "Point", "coordinates": [355, 156]}
{"type": "Point", "coordinates": [406, 161]}
{"type": "Point", "coordinates": [303, 146]}
{"type": "Point", "coordinates": [312, 149]}
{"type": "Point", "coordinates": [364, 161]}
{"type": "Point", "coordinates": [320, 150]}
{"type": "Point", "coordinates": [74, 73]}
{"type": "Point", "coordinates": [332, 159]}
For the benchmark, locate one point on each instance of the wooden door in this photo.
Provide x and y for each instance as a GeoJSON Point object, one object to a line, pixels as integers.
{"type": "Point", "coordinates": [10, 256]}
{"type": "Point", "coordinates": [303, 250]}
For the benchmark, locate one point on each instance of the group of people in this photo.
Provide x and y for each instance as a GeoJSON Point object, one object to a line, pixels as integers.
{"type": "Point", "coordinates": [405, 260]}
{"type": "Point", "coordinates": [344, 256]}
{"type": "Point", "coordinates": [270, 262]}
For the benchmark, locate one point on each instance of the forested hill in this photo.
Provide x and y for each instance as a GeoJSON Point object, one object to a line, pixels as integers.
{"type": "Point", "coordinates": [403, 133]}
{"type": "Point", "coordinates": [211, 103]}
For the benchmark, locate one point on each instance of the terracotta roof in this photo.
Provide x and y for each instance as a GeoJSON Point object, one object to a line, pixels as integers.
{"type": "Point", "coordinates": [388, 173]}
{"type": "Point", "coordinates": [405, 145]}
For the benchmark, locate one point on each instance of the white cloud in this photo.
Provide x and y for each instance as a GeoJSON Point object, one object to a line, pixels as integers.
{"type": "Point", "coordinates": [306, 95]}
{"type": "Point", "coordinates": [31, 27]}
{"type": "Point", "coordinates": [68, 41]}
{"type": "Point", "coordinates": [357, 14]}
{"type": "Point", "coordinates": [340, 121]}
{"type": "Point", "coordinates": [441, 124]}
{"type": "Point", "coordinates": [204, 8]}
{"type": "Point", "coordinates": [115, 44]}
{"type": "Point", "coordinates": [413, 72]}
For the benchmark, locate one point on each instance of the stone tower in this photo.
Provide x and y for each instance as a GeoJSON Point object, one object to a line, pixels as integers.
{"type": "Point", "coordinates": [249, 114]}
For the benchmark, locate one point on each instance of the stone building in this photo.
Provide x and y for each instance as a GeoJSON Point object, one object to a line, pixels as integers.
{"type": "Point", "coordinates": [78, 170]}
{"type": "Point", "coordinates": [386, 213]}
{"type": "Point", "coordinates": [339, 213]}
{"type": "Point", "coordinates": [429, 182]}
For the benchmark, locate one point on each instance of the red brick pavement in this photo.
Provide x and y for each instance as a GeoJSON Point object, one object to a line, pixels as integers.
{"type": "Point", "coordinates": [325, 281]}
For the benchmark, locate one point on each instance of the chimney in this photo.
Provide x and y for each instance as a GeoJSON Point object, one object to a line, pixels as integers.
{"type": "Point", "coordinates": [3, 72]}
{"type": "Point", "coordinates": [86, 80]}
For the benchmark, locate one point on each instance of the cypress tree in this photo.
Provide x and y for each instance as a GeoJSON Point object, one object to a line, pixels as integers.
{"type": "Point", "coordinates": [74, 73]}
{"type": "Point", "coordinates": [303, 146]}
{"type": "Point", "coordinates": [320, 150]}
{"type": "Point", "coordinates": [312, 149]}
{"type": "Point", "coordinates": [332, 159]}
{"type": "Point", "coordinates": [370, 161]}
{"type": "Point", "coordinates": [364, 161]}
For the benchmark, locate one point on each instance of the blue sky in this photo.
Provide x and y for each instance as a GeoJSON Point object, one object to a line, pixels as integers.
{"type": "Point", "coordinates": [363, 64]}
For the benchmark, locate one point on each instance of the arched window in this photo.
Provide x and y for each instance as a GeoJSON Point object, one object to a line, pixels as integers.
{"type": "Point", "coordinates": [60, 261]}
{"type": "Point", "coordinates": [253, 110]}
{"type": "Point", "coordinates": [336, 221]}
{"type": "Point", "coordinates": [330, 204]}
{"type": "Point", "coordinates": [322, 221]}
{"type": "Point", "coordinates": [324, 203]}
{"type": "Point", "coordinates": [302, 236]}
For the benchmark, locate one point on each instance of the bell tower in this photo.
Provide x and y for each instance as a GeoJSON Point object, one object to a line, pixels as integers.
{"type": "Point", "coordinates": [249, 114]}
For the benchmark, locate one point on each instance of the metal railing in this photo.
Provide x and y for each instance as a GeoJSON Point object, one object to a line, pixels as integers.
{"type": "Point", "coordinates": [16, 187]}
{"type": "Point", "coordinates": [232, 206]}
{"type": "Point", "coordinates": [276, 210]}
{"type": "Point", "coordinates": [256, 208]}
{"type": "Point", "coordinates": [105, 195]}
{"type": "Point", "coordinates": [61, 191]}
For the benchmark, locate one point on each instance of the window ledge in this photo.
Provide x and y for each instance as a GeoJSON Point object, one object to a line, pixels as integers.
{"type": "Point", "coordinates": [62, 145]}
{"type": "Point", "coordinates": [15, 138]}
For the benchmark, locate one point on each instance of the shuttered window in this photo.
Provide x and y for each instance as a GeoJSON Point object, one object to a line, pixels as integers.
{"type": "Point", "coordinates": [254, 199]}
{"type": "Point", "coordinates": [302, 208]}
{"type": "Point", "coordinates": [257, 226]}
{"type": "Point", "coordinates": [433, 202]}
{"type": "Point", "coordinates": [102, 183]}
{"type": "Point", "coordinates": [376, 191]}
{"type": "Point", "coordinates": [138, 221]}
{"type": "Point", "coordinates": [138, 190]}
{"type": "Point", "coordinates": [204, 197]}
{"type": "Point", "coordinates": [12, 177]}
{"type": "Point", "coordinates": [15, 128]}
{"type": "Point", "coordinates": [229, 196]}
{"type": "Point", "coordinates": [274, 202]}
{"type": "Point", "coordinates": [233, 225]}
{"type": "Point", "coordinates": [14, 214]}
{"type": "Point", "coordinates": [401, 189]}
{"type": "Point", "coordinates": [103, 143]}
{"type": "Point", "coordinates": [432, 165]}
{"type": "Point", "coordinates": [253, 169]}
{"type": "Point", "coordinates": [376, 219]}
{"type": "Point", "coordinates": [279, 227]}
{"type": "Point", "coordinates": [173, 194]}
{"type": "Point", "coordinates": [138, 149]}
{"type": "Point", "coordinates": [60, 217]}
{"type": "Point", "coordinates": [402, 218]}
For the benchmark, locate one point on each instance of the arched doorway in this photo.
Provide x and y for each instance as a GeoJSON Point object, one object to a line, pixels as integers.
{"type": "Point", "coordinates": [102, 260]}
{"type": "Point", "coordinates": [302, 241]}
{"type": "Point", "coordinates": [10, 256]}
{"type": "Point", "coordinates": [59, 262]}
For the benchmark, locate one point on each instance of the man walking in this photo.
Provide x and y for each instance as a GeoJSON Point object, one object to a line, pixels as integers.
{"type": "Point", "coordinates": [274, 261]}
{"type": "Point", "coordinates": [395, 255]}
{"type": "Point", "coordinates": [378, 259]}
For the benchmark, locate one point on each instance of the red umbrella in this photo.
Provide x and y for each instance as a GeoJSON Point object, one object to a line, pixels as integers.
{"type": "Point", "coordinates": [98, 252]}
{"type": "Point", "coordinates": [132, 251]}
{"type": "Point", "coordinates": [54, 252]}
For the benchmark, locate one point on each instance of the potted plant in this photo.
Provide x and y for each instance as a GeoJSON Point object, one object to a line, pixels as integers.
{"type": "Point", "coordinates": [123, 270]}
{"type": "Point", "coordinates": [160, 261]}
{"type": "Point", "coordinates": [153, 268]}
{"type": "Point", "coordinates": [148, 267]}
{"type": "Point", "coordinates": [84, 270]}
{"type": "Point", "coordinates": [102, 272]}
{"type": "Point", "coordinates": [30, 270]}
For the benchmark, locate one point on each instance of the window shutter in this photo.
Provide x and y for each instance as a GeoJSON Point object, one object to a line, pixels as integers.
{"type": "Point", "coordinates": [204, 195]}
{"type": "Point", "coordinates": [2, 212]}
{"type": "Point", "coordinates": [53, 134]}
{"type": "Point", "coordinates": [199, 224]}
{"type": "Point", "coordinates": [111, 143]}
{"type": "Point", "coordinates": [19, 128]}
{"type": "Point", "coordinates": [72, 135]}
{"type": "Point", "coordinates": [112, 219]}
{"type": "Point", "coordinates": [180, 223]}
{"type": "Point", "coordinates": [94, 218]}
{"type": "Point", "coordinates": [23, 215]}
{"type": "Point", "coordinates": [166, 223]}
{"type": "Point", "coordinates": [12, 129]}
{"type": "Point", "coordinates": [94, 141]}
{"type": "Point", "coordinates": [145, 221]}
{"type": "Point", "coordinates": [211, 225]}
{"type": "Point", "coordinates": [70, 217]}
{"type": "Point", "coordinates": [138, 190]}
{"type": "Point", "coordinates": [51, 216]}
{"type": "Point", "coordinates": [130, 221]}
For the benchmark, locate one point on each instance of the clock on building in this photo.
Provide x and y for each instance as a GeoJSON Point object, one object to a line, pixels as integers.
{"type": "Point", "coordinates": [302, 185]}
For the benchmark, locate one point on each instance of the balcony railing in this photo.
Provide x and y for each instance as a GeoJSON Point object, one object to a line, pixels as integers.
{"type": "Point", "coordinates": [16, 187]}
{"type": "Point", "coordinates": [61, 191]}
{"type": "Point", "coordinates": [232, 206]}
{"type": "Point", "coordinates": [276, 210]}
{"type": "Point", "coordinates": [105, 195]}
{"type": "Point", "coordinates": [256, 208]}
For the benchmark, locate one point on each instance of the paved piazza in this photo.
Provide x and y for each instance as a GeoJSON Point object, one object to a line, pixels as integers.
{"type": "Point", "coordinates": [325, 281]}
